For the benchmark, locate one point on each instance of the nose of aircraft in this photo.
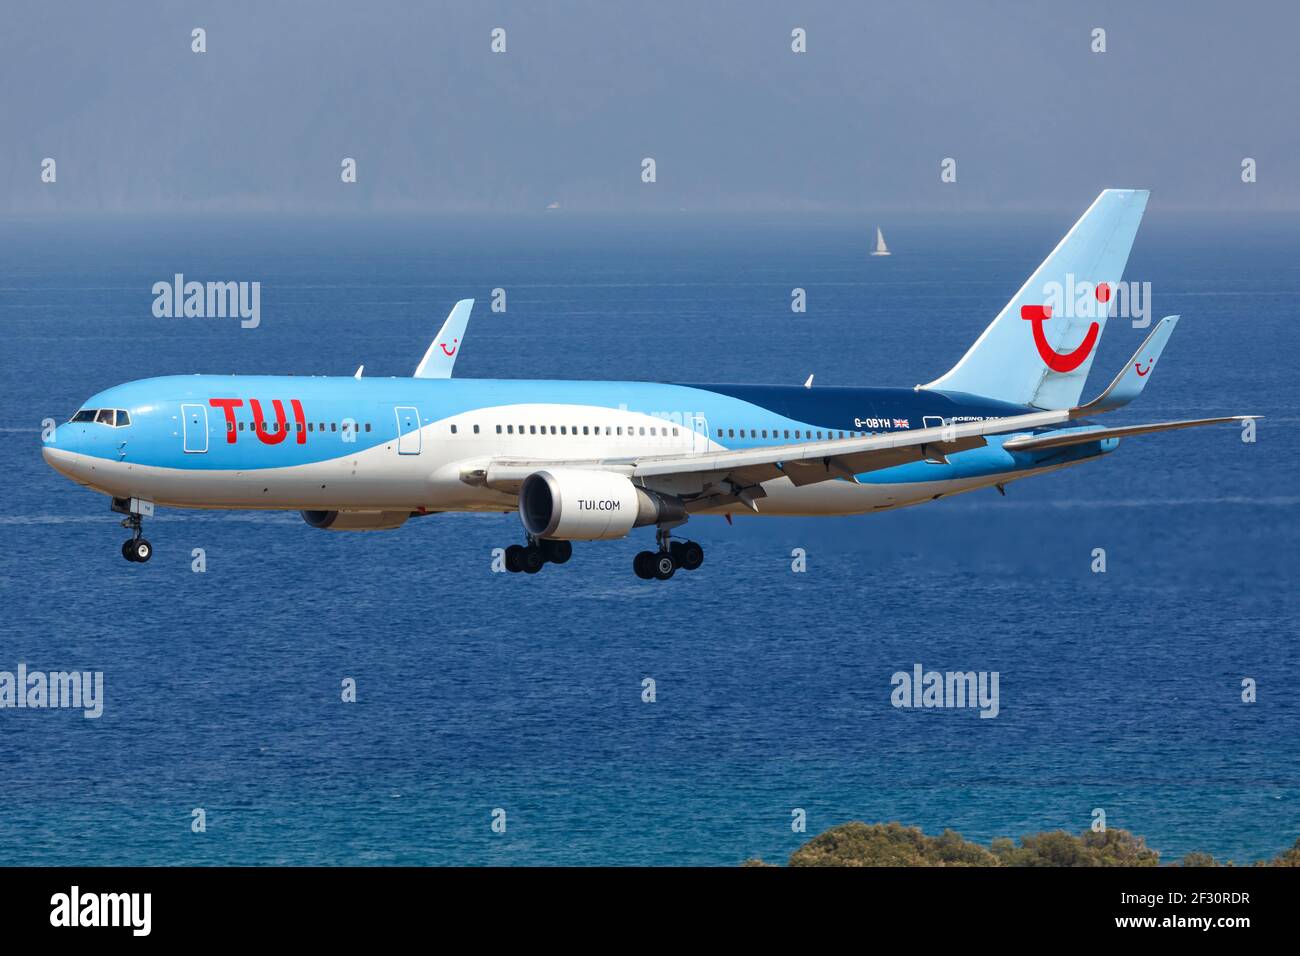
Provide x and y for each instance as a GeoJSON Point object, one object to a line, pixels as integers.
{"type": "Point", "coordinates": [60, 446]}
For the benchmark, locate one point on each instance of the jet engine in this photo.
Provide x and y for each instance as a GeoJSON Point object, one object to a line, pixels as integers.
{"type": "Point", "coordinates": [576, 504]}
{"type": "Point", "coordinates": [356, 520]}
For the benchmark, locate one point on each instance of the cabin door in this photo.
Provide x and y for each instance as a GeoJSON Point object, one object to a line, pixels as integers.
{"type": "Point", "coordinates": [699, 433]}
{"type": "Point", "coordinates": [408, 429]}
{"type": "Point", "coordinates": [194, 424]}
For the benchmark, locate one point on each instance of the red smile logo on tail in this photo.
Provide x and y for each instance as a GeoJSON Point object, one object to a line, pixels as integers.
{"type": "Point", "coordinates": [455, 344]}
{"type": "Point", "coordinates": [1057, 361]}
{"type": "Point", "coordinates": [1137, 367]}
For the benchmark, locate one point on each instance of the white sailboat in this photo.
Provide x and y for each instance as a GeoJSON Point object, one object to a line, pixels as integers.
{"type": "Point", "coordinates": [881, 249]}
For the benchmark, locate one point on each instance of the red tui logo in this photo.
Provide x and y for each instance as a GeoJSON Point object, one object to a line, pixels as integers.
{"type": "Point", "coordinates": [228, 405]}
{"type": "Point", "coordinates": [1058, 361]}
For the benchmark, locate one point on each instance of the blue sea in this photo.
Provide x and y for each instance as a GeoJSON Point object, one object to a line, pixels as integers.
{"type": "Point", "coordinates": [478, 691]}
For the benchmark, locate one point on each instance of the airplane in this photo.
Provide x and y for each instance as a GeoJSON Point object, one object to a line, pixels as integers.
{"type": "Point", "coordinates": [593, 460]}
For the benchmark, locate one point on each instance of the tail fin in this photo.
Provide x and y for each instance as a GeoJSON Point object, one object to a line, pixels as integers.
{"type": "Point", "coordinates": [1040, 347]}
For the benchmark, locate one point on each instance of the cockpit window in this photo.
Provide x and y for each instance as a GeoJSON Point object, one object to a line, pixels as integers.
{"type": "Point", "coordinates": [113, 417]}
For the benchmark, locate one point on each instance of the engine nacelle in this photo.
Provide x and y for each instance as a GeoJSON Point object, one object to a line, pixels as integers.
{"type": "Point", "coordinates": [356, 520]}
{"type": "Point", "coordinates": [575, 504]}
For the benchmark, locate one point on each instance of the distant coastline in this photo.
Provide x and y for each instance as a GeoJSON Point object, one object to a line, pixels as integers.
{"type": "Point", "coordinates": [892, 844]}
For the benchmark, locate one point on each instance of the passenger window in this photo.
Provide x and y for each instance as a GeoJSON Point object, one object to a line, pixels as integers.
{"type": "Point", "coordinates": [764, 432]}
{"type": "Point", "coordinates": [532, 429]}
{"type": "Point", "coordinates": [475, 429]}
{"type": "Point", "coordinates": [620, 430]}
{"type": "Point", "coordinates": [652, 431]}
{"type": "Point", "coordinates": [453, 429]}
{"type": "Point", "coordinates": [675, 432]}
{"type": "Point", "coordinates": [563, 430]}
{"type": "Point", "coordinates": [334, 426]}
{"type": "Point", "coordinates": [311, 426]}
{"type": "Point", "coordinates": [584, 429]}
{"type": "Point", "coordinates": [367, 426]}
{"type": "Point", "coordinates": [230, 426]}
{"type": "Point", "coordinates": [241, 426]}
{"type": "Point", "coordinates": [105, 416]}
{"type": "Point", "coordinates": [731, 433]}
{"type": "Point", "coordinates": [787, 433]}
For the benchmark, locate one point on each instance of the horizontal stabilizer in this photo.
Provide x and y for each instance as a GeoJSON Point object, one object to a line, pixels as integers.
{"type": "Point", "coordinates": [1063, 439]}
{"type": "Point", "coordinates": [440, 358]}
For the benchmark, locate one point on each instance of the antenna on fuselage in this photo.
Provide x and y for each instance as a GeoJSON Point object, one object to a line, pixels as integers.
{"type": "Point", "coordinates": [360, 369]}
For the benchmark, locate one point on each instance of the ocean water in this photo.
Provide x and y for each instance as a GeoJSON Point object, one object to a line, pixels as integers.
{"type": "Point", "coordinates": [476, 691]}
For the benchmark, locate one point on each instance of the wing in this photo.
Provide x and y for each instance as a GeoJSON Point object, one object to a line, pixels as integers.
{"type": "Point", "coordinates": [1063, 439]}
{"type": "Point", "coordinates": [709, 479]}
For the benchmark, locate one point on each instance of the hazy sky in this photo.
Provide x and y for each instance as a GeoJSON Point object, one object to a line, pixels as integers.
{"type": "Point", "coordinates": [712, 91]}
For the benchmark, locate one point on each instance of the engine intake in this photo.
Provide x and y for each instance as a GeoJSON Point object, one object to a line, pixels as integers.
{"type": "Point", "coordinates": [575, 504]}
{"type": "Point", "coordinates": [356, 520]}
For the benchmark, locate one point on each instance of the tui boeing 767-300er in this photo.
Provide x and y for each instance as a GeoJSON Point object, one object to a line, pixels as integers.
{"type": "Point", "coordinates": [592, 460]}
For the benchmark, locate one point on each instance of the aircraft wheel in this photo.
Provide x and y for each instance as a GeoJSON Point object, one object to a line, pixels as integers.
{"type": "Point", "coordinates": [664, 565]}
{"type": "Point", "coordinates": [514, 558]}
{"type": "Point", "coordinates": [128, 551]}
{"type": "Point", "coordinates": [533, 560]}
{"type": "Point", "coordinates": [141, 550]}
{"type": "Point", "coordinates": [557, 552]}
{"type": "Point", "coordinates": [689, 555]}
{"type": "Point", "coordinates": [644, 565]}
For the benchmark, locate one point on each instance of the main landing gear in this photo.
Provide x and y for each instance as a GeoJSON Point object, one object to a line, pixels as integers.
{"type": "Point", "coordinates": [663, 564]}
{"type": "Point", "coordinates": [530, 558]}
{"type": "Point", "coordinates": [136, 548]}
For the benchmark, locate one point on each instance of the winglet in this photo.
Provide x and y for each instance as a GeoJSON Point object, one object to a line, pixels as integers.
{"type": "Point", "coordinates": [1128, 384]}
{"type": "Point", "coordinates": [440, 358]}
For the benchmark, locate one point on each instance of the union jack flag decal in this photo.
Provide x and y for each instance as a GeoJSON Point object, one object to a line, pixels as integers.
{"type": "Point", "coordinates": [901, 423]}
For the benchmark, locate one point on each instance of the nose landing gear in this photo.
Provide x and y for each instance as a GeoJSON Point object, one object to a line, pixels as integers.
{"type": "Point", "coordinates": [136, 548]}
